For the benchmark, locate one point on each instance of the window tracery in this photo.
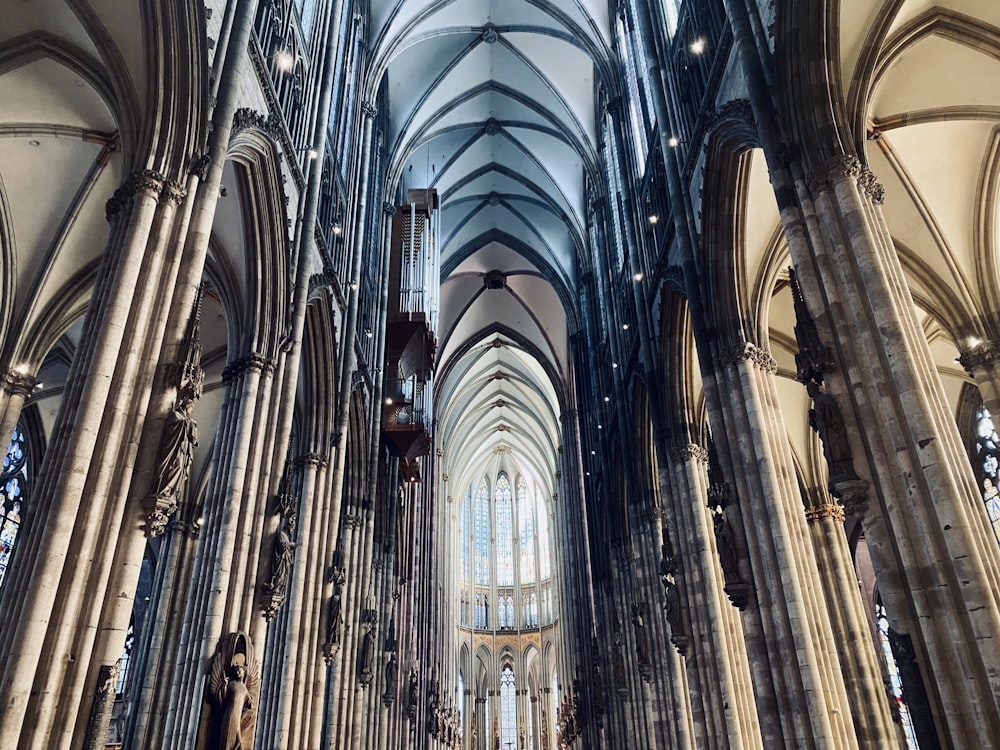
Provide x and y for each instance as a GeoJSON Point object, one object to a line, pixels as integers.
{"type": "Point", "coordinates": [508, 708]}
{"type": "Point", "coordinates": [988, 465]}
{"type": "Point", "coordinates": [13, 495]}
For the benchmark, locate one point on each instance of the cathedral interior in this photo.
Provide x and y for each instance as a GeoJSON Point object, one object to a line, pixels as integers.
{"type": "Point", "coordinates": [499, 374]}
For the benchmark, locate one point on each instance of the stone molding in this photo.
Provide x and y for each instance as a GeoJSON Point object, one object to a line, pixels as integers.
{"type": "Point", "coordinates": [369, 110]}
{"type": "Point", "coordinates": [985, 353]}
{"type": "Point", "coordinates": [252, 362]}
{"type": "Point", "coordinates": [312, 459]}
{"type": "Point", "coordinates": [389, 209]}
{"type": "Point", "coordinates": [142, 181]}
{"type": "Point", "coordinates": [690, 452]}
{"type": "Point", "coordinates": [825, 511]}
{"type": "Point", "coordinates": [747, 352]}
{"type": "Point", "coordinates": [848, 167]}
{"type": "Point", "coordinates": [17, 383]}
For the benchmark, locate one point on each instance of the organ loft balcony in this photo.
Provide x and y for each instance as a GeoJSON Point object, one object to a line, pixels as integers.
{"type": "Point", "coordinates": [411, 323]}
{"type": "Point", "coordinates": [414, 286]}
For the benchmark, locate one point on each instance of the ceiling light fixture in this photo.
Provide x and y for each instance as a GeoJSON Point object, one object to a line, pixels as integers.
{"type": "Point", "coordinates": [673, 141]}
{"type": "Point", "coordinates": [697, 46]}
{"type": "Point", "coordinates": [624, 326]}
{"type": "Point", "coordinates": [653, 219]}
{"type": "Point", "coordinates": [637, 276]}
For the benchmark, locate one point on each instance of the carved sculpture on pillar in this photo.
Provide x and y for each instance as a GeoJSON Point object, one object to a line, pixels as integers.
{"type": "Point", "coordinates": [282, 554]}
{"type": "Point", "coordinates": [813, 358]}
{"type": "Point", "coordinates": [618, 663]}
{"type": "Point", "coordinates": [412, 694]}
{"type": "Point", "coordinates": [232, 692]}
{"type": "Point", "coordinates": [433, 726]}
{"type": "Point", "coordinates": [825, 418]}
{"type": "Point", "coordinates": [672, 595]}
{"type": "Point", "coordinates": [366, 657]}
{"type": "Point", "coordinates": [180, 438]}
{"type": "Point", "coordinates": [597, 685]}
{"type": "Point", "coordinates": [391, 681]}
{"type": "Point", "coordinates": [335, 615]}
{"type": "Point", "coordinates": [474, 733]}
{"type": "Point", "coordinates": [720, 496]}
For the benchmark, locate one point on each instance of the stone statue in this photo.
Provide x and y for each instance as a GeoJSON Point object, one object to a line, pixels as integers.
{"type": "Point", "coordinates": [180, 438]}
{"type": "Point", "coordinates": [412, 694]}
{"type": "Point", "coordinates": [672, 609]}
{"type": "Point", "coordinates": [618, 665]}
{"type": "Point", "coordinates": [282, 554]}
{"type": "Point", "coordinates": [641, 637]}
{"type": "Point", "coordinates": [233, 690]}
{"type": "Point", "coordinates": [726, 547]}
{"type": "Point", "coordinates": [825, 418]}
{"type": "Point", "coordinates": [335, 625]}
{"type": "Point", "coordinates": [433, 726]}
{"type": "Point", "coordinates": [474, 732]}
{"type": "Point", "coordinates": [366, 657]}
{"type": "Point", "coordinates": [813, 358]}
{"type": "Point", "coordinates": [391, 681]}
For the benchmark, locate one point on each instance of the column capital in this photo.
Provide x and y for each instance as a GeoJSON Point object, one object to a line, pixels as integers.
{"type": "Point", "coordinates": [17, 383]}
{"type": "Point", "coordinates": [315, 460]}
{"type": "Point", "coordinates": [825, 511]}
{"type": "Point", "coordinates": [369, 110]}
{"type": "Point", "coordinates": [689, 452]}
{"type": "Point", "coordinates": [747, 352]}
{"type": "Point", "coordinates": [252, 362]}
{"type": "Point", "coordinates": [985, 353]}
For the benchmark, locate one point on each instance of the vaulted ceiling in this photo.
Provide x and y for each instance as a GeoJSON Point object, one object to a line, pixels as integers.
{"type": "Point", "coordinates": [493, 103]}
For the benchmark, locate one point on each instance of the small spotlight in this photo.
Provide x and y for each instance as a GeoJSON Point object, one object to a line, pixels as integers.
{"type": "Point", "coordinates": [593, 453]}
{"type": "Point", "coordinates": [637, 276]}
{"type": "Point", "coordinates": [337, 229]}
{"type": "Point", "coordinates": [600, 427]}
{"type": "Point", "coordinates": [313, 153]}
{"type": "Point", "coordinates": [697, 46]}
{"type": "Point", "coordinates": [284, 61]}
{"type": "Point", "coordinates": [614, 365]}
{"type": "Point", "coordinates": [39, 386]}
{"type": "Point", "coordinates": [607, 398]}
{"type": "Point", "coordinates": [388, 402]}
{"type": "Point", "coordinates": [587, 473]}
{"type": "Point", "coordinates": [973, 342]}
{"type": "Point", "coordinates": [199, 521]}
{"type": "Point", "coordinates": [368, 332]}
{"type": "Point", "coordinates": [673, 141]}
{"type": "Point", "coordinates": [624, 326]}
{"type": "Point", "coordinates": [653, 219]}
{"type": "Point", "coordinates": [354, 285]}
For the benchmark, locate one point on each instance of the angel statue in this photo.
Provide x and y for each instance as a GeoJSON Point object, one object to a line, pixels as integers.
{"type": "Point", "coordinates": [233, 691]}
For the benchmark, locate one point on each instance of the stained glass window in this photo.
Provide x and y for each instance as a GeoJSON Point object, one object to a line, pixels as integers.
{"type": "Point", "coordinates": [526, 522]}
{"type": "Point", "coordinates": [508, 709]}
{"type": "Point", "coordinates": [483, 534]}
{"type": "Point", "coordinates": [545, 563]}
{"type": "Point", "coordinates": [465, 531]}
{"type": "Point", "coordinates": [505, 531]}
{"type": "Point", "coordinates": [988, 465]}
{"type": "Point", "coordinates": [13, 489]}
{"type": "Point", "coordinates": [896, 684]}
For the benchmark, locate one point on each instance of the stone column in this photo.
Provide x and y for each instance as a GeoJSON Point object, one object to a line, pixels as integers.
{"type": "Point", "coordinates": [15, 387]}
{"type": "Point", "coordinates": [982, 362]}
{"type": "Point", "coordinates": [103, 402]}
{"type": "Point", "coordinates": [811, 697]}
{"type": "Point", "coordinates": [852, 633]}
{"type": "Point", "coordinates": [930, 522]}
{"type": "Point", "coordinates": [717, 645]}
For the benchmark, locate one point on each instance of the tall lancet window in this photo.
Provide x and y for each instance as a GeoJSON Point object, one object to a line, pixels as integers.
{"type": "Point", "coordinates": [988, 465]}
{"type": "Point", "coordinates": [508, 710]}
{"type": "Point", "coordinates": [13, 495]}
{"type": "Point", "coordinates": [505, 531]}
{"type": "Point", "coordinates": [464, 541]}
{"type": "Point", "coordinates": [526, 521]}
{"type": "Point", "coordinates": [483, 534]}
{"type": "Point", "coordinates": [544, 554]}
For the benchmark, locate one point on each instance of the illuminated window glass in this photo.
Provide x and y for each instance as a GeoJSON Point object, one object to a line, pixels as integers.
{"type": "Point", "coordinates": [526, 523]}
{"type": "Point", "coordinates": [895, 682]}
{"type": "Point", "coordinates": [483, 534]}
{"type": "Point", "coordinates": [544, 563]}
{"type": "Point", "coordinates": [508, 709]}
{"type": "Point", "coordinates": [988, 465]}
{"type": "Point", "coordinates": [13, 495]}
{"type": "Point", "coordinates": [505, 531]}
{"type": "Point", "coordinates": [465, 531]}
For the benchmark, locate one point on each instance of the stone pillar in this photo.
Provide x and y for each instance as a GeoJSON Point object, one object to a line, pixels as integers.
{"type": "Point", "coordinates": [15, 387]}
{"type": "Point", "coordinates": [104, 402]}
{"type": "Point", "coordinates": [811, 697]}
{"type": "Point", "coordinates": [982, 362]}
{"type": "Point", "coordinates": [931, 522]}
{"type": "Point", "coordinates": [717, 647]}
